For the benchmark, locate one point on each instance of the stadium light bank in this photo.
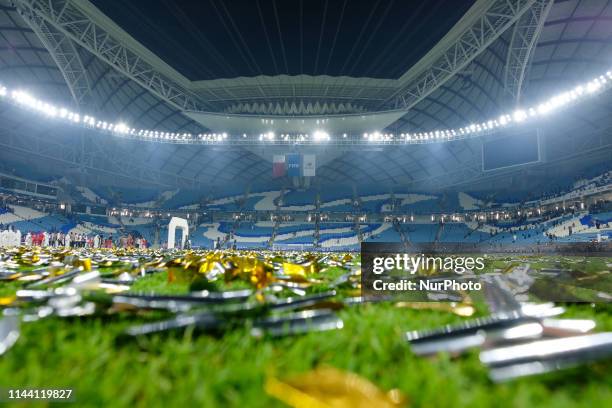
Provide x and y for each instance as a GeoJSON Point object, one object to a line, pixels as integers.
{"type": "Point", "coordinates": [564, 99]}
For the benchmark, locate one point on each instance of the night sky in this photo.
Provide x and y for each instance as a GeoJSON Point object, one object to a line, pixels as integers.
{"type": "Point", "coordinates": [210, 39]}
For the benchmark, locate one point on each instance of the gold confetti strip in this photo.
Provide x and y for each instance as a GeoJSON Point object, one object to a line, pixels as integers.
{"type": "Point", "coordinates": [258, 269]}
{"type": "Point", "coordinates": [460, 309]}
{"type": "Point", "coordinates": [85, 263]}
{"type": "Point", "coordinates": [12, 276]}
{"type": "Point", "coordinates": [291, 269]}
{"type": "Point", "coordinates": [261, 276]}
{"type": "Point", "coordinates": [332, 388]}
{"type": "Point", "coordinates": [7, 300]}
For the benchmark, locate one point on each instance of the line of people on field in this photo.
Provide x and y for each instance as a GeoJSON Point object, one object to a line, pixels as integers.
{"type": "Point", "coordinates": [10, 237]}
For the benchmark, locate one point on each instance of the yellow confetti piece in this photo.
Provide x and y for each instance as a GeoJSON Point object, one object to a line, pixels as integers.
{"type": "Point", "coordinates": [85, 263]}
{"type": "Point", "coordinates": [332, 388]}
{"type": "Point", "coordinates": [292, 396]}
{"type": "Point", "coordinates": [292, 269]}
{"type": "Point", "coordinates": [7, 300]}
{"type": "Point", "coordinates": [13, 276]}
{"type": "Point", "coordinates": [260, 277]}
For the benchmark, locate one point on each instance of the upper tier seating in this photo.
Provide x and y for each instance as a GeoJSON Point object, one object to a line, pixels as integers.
{"type": "Point", "coordinates": [299, 198]}
{"type": "Point", "coordinates": [388, 235]}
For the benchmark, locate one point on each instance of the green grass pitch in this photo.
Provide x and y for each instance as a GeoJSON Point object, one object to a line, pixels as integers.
{"type": "Point", "coordinates": [190, 369]}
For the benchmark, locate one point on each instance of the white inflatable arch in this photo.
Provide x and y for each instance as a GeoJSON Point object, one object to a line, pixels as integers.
{"type": "Point", "coordinates": [176, 222]}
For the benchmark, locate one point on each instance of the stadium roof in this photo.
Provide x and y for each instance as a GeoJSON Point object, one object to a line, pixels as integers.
{"type": "Point", "coordinates": [214, 39]}
{"type": "Point", "coordinates": [64, 55]}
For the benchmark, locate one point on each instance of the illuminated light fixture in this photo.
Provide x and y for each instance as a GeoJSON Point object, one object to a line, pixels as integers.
{"type": "Point", "coordinates": [519, 115]}
{"type": "Point", "coordinates": [121, 128]}
{"type": "Point", "coordinates": [320, 135]}
{"type": "Point", "coordinates": [593, 86]}
{"type": "Point", "coordinates": [545, 107]}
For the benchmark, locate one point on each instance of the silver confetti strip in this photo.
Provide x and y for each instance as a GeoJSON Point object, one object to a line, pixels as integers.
{"type": "Point", "coordinates": [585, 347]}
{"type": "Point", "coordinates": [203, 296]}
{"type": "Point", "coordinates": [301, 302]}
{"type": "Point", "coordinates": [534, 360]}
{"type": "Point", "coordinates": [503, 332]}
{"type": "Point", "coordinates": [297, 323]}
{"type": "Point", "coordinates": [567, 327]}
{"type": "Point", "coordinates": [9, 332]}
{"type": "Point", "coordinates": [203, 321]}
{"type": "Point", "coordinates": [85, 279]}
{"type": "Point", "coordinates": [55, 279]}
{"type": "Point", "coordinates": [468, 327]}
{"type": "Point", "coordinates": [182, 302]}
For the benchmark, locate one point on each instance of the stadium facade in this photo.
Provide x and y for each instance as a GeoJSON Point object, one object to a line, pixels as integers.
{"type": "Point", "coordinates": [351, 155]}
{"type": "Point", "coordinates": [221, 203]}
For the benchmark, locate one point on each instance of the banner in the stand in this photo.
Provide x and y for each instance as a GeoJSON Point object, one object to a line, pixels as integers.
{"type": "Point", "coordinates": [308, 165]}
{"type": "Point", "coordinates": [294, 164]}
{"type": "Point", "coordinates": [279, 168]}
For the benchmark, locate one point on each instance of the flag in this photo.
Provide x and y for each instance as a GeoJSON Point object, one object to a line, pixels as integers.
{"type": "Point", "coordinates": [308, 165]}
{"type": "Point", "coordinates": [278, 165]}
{"type": "Point", "coordinates": [294, 165]}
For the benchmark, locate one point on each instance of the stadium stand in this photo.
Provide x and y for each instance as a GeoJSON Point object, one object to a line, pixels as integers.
{"type": "Point", "coordinates": [241, 217]}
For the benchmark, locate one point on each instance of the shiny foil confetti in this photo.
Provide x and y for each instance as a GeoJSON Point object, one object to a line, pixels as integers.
{"type": "Point", "coordinates": [333, 388]}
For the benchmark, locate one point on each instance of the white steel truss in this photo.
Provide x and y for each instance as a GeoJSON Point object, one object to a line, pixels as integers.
{"type": "Point", "coordinates": [524, 39]}
{"type": "Point", "coordinates": [71, 17]}
{"type": "Point", "coordinates": [65, 55]}
{"type": "Point", "coordinates": [485, 22]}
